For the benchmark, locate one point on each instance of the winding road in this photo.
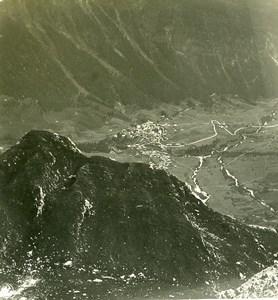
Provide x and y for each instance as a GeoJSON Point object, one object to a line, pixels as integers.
{"type": "Point", "coordinates": [225, 127]}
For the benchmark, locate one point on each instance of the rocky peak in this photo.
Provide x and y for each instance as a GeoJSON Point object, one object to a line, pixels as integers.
{"type": "Point", "coordinates": [120, 217]}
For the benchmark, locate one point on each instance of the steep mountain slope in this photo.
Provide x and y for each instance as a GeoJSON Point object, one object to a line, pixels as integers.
{"type": "Point", "coordinates": [70, 218]}
{"type": "Point", "coordinates": [95, 53]}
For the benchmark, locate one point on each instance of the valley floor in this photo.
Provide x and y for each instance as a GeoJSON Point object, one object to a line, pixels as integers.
{"type": "Point", "coordinates": [228, 158]}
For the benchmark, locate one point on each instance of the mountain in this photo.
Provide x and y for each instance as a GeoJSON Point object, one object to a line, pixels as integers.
{"type": "Point", "coordinates": [262, 285]}
{"type": "Point", "coordinates": [74, 222]}
{"type": "Point", "coordinates": [96, 53]}
{"type": "Point", "coordinates": [72, 66]}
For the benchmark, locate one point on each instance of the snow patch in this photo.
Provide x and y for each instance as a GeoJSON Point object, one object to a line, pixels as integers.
{"type": "Point", "coordinates": [40, 201]}
{"type": "Point", "coordinates": [7, 290]}
{"type": "Point", "coordinates": [68, 263]}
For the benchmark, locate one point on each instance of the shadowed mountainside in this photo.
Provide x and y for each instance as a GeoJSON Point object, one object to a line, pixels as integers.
{"type": "Point", "coordinates": [59, 206]}
{"type": "Point", "coordinates": [95, 53]}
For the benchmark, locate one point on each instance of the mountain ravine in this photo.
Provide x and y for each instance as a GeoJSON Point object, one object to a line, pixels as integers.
{"type": "Point", "coordinates": [97, 53]}
{"type": "Point", "coordinates": [93, 228]}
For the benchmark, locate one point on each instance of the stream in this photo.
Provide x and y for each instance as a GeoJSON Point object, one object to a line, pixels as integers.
{"type": "Point", "coordinates": [197, 189]}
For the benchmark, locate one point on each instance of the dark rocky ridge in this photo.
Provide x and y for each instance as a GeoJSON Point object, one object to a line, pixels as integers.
{"type": "Point", "coordinates": [95, 53]}
{"type": "Point", "coordinates": [119, 218]}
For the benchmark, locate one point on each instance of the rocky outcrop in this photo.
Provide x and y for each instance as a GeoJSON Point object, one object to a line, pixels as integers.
{"type": "Point", "coordinates": [262, 285]}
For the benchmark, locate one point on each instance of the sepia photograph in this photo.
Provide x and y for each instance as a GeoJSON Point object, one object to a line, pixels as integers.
{"type": "Point", "coordinates": [138, 149]}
